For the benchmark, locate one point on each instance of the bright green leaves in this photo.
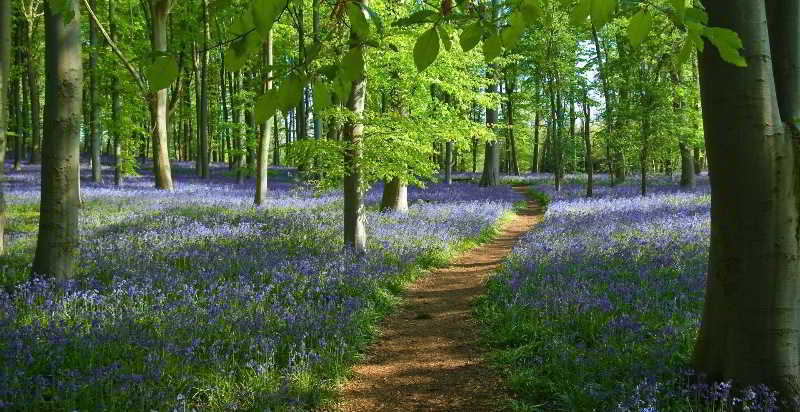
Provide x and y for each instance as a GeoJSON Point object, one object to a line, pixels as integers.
{"type": "Point", "coordinates": [471, 36]}
{"type": "Point", "coordinates": [266, 105]}
{"type": "Point", "coordinates": [264, 13]}
{"type": "Point", "coordinates": [728, 43]}
{"type": "Point", "coordinates": [679, 6]}
{"type": "Point", "coordinates": [358, 22]}
{"type": "Point", "coordinates": [492, 47]}
{"type": "Point", "coordinates": [531, 11]}
{"type": "Point", "coordinates": [601, 12]}
{"type": "Point", "coordinates": [426, 49]}
{"type": "Point", "coordinates": [640, 25]}
{"type": "Point", "coordinates": [322, 97]}
{"type": "Point", "coordinates": [290, 93]}
{"type": "Point", "coordinates": [62, 8]}
{"type": "Point", "coordinates": [445, 36]}
{"type": "Point", "coordinates": [580, 12]}
{"type": "Point", "coordinates": [513, 32]}
{"type": "Point", "coordinates": [418, 17]}
{"type": "Point", "coordinates": [161, 71]}
{"type": "Point", "coordinates": [352, 66]}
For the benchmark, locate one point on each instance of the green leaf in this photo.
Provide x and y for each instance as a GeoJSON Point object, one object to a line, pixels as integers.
{"type": "Point", "coordinates": [602, 11]}
{"type": "Point", "coordinates": [342, 87]}
{"type": "Point", "coordinates": [531, 10]}
{"type": "Point", "coordinates": [263, 13]}
{"type": "Point", "coordinates": [683, 55]}
{"type": "Point", "coordinates": [358, 22]}
{"type": "Point", "coordinates": [696, 15]}
{"type": "Point", "coordinates": [419, 17]}
{"type": "Point", "coordinates": [375, 18]}
{"type": "Point", "coordinates": [580, 12]}
{"type": "Point", "coordinates": [471, 36]}
{"type": "Point", "coordinates": [640, 25]}
{"type": "Point", "coordinates": [447, 39]}
{"type": "Point", "coordinates": [426, 49]}
{"type": "Point", "coordinates": [322, 97]}
{"type": "Point", "coordinates": [512, 33]}
{"type": "Point", "coordinates": [266, 106]}
{"type": "Point", "coordinates": [492, 47]}
{"type": "Point", "coordinates": [161, 72]}
{"type": "Point", "coordinates": [352, 66]}
{"type": "Point", "coordinates": [234, 61]}
{"type": "Point", "coordinates": [728, 43]}
{"type": "Point", "coordinates": [679, 6]}
{"type": "Point", "coordinates": [290, 93]}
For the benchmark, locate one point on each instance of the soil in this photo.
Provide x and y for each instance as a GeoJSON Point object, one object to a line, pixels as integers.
{"type": "Point", "coordinates": [428, 357]}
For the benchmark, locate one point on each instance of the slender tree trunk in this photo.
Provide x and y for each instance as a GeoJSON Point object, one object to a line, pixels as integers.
{"type": "Point", "coordinates": [266, 129]}
{"type": "Point", "coordinates": [57, 243]}
{"type": "Point", "coordinates": [474, 155]}
{"type": "Point", "coordinates": [750, 329]}
{"type": "Point", "coordinates": [587, 140]}
{"type": "Point", "coordinates": [698, 161]}
{"type": "Point", "coordinates": [203, 120]}
{"type": "Point", "coordinates": [33, 85]}
{"type": "Point", "coordinates": [94, 137]}
{"type": "Point", "coordinates": [5, 72]}
{"type": "Point", "coordinates": [514, 164]}
{"type": "Point", "coordinates": [448, 160]}
{"type": "Point", "coordinates": [159, 10]}
{"type": "Point", "coordinates": [317, 40]}
{"type": "Point", "coordinates": [276, 150]}
{"type": "Point", "coordinates": [301, 124]}
{"type": "Point", "coordinates": [535, 159]}
{"type": "Point", "coordinates": [19, 141]}
{"type": "Point", "coordinates": [355, 235]}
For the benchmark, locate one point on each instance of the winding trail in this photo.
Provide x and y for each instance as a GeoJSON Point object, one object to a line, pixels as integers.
{"type": "Point", "coordinates": [428, 357]}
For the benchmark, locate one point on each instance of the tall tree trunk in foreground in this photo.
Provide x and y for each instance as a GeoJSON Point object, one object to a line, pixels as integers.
{"type": "Point", "coordinates": [159, 10]}
{"type": "Point", "coordinates": [57, 242]}
{"type": "Point", "coordinates": [33, 86]}
{"type": "Point", "coordinates": [395, 196]}
{"type": "Point", "coordinates": [750, 330]}
{"type": "Point", "coordinates": [94, 137]}
{"type": "Point", "coordinates": [266, 131]}
{"type": "Point", "coordinates": [355, 235]}
{"type": "Point", "coordinates": [317, 41]}
{"type": "Point", "coordinates": [535, 159]}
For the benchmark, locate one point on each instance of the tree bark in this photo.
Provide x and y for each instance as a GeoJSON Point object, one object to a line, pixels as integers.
{"type": "Point", "coordinates": [395, 196]}
{"type": "Point", "coordinates": [317, 41]}
{"type": "Point", "coordinates": [355, 236]}
{"type": "Point", "coordinates": [57, 243]}
{"type": "Point", "coordinates": [587, 140]}
{"type": "Point", "coordinates": [159, 10]}
{"type": "Point", "coordinates": [750, 331]}
{"type": "Point", "coordinates": [203, 120]}
{"type": "Point", "coordinates": [262, 175]}
{"type": "Point", "coordinates": [33, 85]}
{"type": "Point", "coordinates": [5, 72]}
{"type": "Point", "coordinates": [94, 137]}
{"type": "Point", "coordinates": [535, 159]}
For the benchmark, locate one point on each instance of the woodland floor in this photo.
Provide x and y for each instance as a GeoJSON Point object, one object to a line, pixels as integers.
{"type": "Point", "coordinates": [428, 356]}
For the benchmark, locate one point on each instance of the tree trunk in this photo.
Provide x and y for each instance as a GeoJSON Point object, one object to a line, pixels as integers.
{"type": "Point", "coordinates": [749, 332]}
{"type": "Point", "coordinates": [317, 40]}
{"type": "Point", "coordinates": [159, 10]}
{"type": "Point", "coordinates": [687, 166]}
{"type": "Point", "coordinates": [300, 113]}
{"type": "Point", "coordinates": [203, 120]}
{"type": "Point", "coordinates": [33, 86]}
{"type": "Point", "coordinates": [355, 236]}
{"type": "Point", "coordinates": [94, 137]}
{"type": "Point", "coordinates": [395, 196]}
{"type": "Point", "coordinates": [535, 159]}
{"type": "Point", "coordinates": [276, 149]}
{"type": "Point", "coordinates": [19, 140]}
{"type": "Point", "coordinates": [266, 131]}
{"type": "Point", "coordinates": [57, 243]}
{"type": "Point", "coordinates": [698, 162]}
{"type": "Point", "coordinates": [587, 140]}
{"type": "Point", "coordinates": [5, 72]}
{"type": "Point", "coordinates": [491, 162]}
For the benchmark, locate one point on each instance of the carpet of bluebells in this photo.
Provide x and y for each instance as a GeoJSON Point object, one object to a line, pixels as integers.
{"type": "Point", "coordinates": [598, 306]}
{"type": "Point", "coordinates": [197, 299]}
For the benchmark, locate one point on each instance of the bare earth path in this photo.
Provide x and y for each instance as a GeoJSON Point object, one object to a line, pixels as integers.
{"type": "Point", "coordinates": [427, 358]}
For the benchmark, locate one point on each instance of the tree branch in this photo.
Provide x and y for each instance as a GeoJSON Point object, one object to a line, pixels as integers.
{"type": "Point", "coordinates": [117, 51]}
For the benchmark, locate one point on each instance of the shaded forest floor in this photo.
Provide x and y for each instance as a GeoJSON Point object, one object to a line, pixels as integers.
{"type": "Point", "coordinates": [428, 357]}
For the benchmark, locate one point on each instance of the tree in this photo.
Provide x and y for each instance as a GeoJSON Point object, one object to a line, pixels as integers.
{"type": "Point", "coordinates": [5, 72]}
{"type": "Point", "coordinates": [94, 137]}
{"type": "Point", "coordinates": [749, 332]}
{"type": "Point", "coordinates": [355, 235]}
{"type": "Point", "coordinates": [57, 244]}
{"type": "Point", "coordinates": [266, 129]}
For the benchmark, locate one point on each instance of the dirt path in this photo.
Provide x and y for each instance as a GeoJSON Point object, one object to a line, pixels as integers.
{"type": "Point", "coordinates": [427, 358]}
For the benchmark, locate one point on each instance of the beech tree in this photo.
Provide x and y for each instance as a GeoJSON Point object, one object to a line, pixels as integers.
{"type": "Point", "coordinates": [5, 71]}
{"type": "Point", "coordinates": [57, 243]}
{"type": "Point", "coordinates": [750, 330]}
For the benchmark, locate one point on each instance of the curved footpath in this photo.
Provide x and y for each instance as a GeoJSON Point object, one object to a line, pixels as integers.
{"type": "Point", "coordinates": [428, 357]}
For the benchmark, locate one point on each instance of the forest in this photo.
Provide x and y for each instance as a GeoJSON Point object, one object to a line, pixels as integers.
{"type": "Point", "coordinates": [363, 205]}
